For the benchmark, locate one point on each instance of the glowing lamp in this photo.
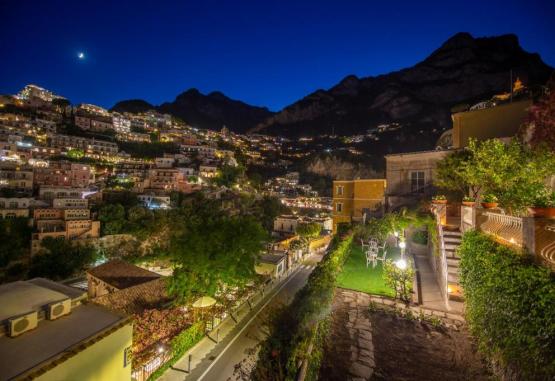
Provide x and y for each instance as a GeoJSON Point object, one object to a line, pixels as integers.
{"type": "Point", "coordinates": [402, 244]}
{"type": "Point", "coordinates": [401, 264]}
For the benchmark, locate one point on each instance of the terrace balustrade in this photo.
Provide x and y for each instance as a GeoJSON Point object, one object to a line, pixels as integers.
{"type": "Point", "coordinates": [533, 235]}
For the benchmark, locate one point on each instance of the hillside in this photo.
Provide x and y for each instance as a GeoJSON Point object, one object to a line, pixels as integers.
{"type": "Point", "coordinates": [464, 70]}
{"type": "Point", "coordinates": [211, 111]}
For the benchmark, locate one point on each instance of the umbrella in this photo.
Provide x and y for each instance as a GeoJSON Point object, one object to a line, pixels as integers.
{"type": "Point", "coordinates": [205, 301]}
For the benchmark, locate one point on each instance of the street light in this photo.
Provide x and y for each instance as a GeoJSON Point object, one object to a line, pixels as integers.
{"type": "Point", "coordinates": [402, 245]}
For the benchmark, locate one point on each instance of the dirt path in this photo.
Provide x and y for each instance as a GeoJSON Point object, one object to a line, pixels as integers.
{"type": "Point", "coordinates": [403, 349]}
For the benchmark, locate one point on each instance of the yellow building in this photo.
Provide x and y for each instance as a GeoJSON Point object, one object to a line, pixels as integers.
{"type": "Point", "coordinates": [353, 200]}
{"type": "Point", "coordinates": [494, 122]}
{"type": "Point", "coordinates": [50, 335]}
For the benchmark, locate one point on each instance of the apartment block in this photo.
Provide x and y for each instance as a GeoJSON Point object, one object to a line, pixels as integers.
{"type": "Point", "coordinates": [16, 177]}
{"type": "Point", "coordinates": [13, 207]}
{"type": "Point", "coordinates": [70, 203]}
{"type": "Point", "coordinates": [49, 193]}
{"type": "Point", "coordinates": [167, 179]}
{"type": "Point", "coordinates": [356, 200]}
{"type": "Point", "coordinates": [69, 224]}
{"type": "Point", "coordinates": [63, 173]}
{"type": "Point", "coordinates": [95, 146]}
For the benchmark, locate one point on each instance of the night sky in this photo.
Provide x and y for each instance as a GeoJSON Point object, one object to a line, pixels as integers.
{"type": "Point", "coordinates": [267, 53]}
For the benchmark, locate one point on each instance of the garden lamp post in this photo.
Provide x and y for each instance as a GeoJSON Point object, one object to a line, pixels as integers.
{"type": "Point", "coordinates": [402, 262]}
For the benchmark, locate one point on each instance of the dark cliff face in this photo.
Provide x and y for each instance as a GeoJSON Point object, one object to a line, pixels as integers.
{"type": "Point", "coordinates": [211, 111]}
{"type": "Point", "coordinates": [214, 111]}
{"type": "Point", "coordinates": [463, 70]}
{"type": "Point", "coordinates": [132, 105]}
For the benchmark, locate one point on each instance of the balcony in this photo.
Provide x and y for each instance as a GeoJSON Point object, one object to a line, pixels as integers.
{"type": "Point", "coordinates": [533, 235]}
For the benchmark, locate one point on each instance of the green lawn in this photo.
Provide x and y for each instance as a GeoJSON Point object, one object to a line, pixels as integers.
{"type": "Point", "coordinates": [356, 276]}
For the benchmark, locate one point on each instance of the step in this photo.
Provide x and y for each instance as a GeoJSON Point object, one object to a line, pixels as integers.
{"type": "Point", "coordinates": [453, 261]}
{"type": "Point", "coordinates": [455, 233]}
{"type": "Point", "coordinates": [450, 246]}
{"type": "Point", "coordinates": [453, 278]}
{"type": "Point", "coordinates": [453, 240]}
{"type": "Point", "coordinates": [453, 270]}
{"type": "Point", "coordinates": [455, 292]}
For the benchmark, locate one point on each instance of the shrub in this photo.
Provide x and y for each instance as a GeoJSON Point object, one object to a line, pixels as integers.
{"type": "Point", "coordinates": [420, 237]}
{"type": "Point", "coordinates": [181, 344]}
{"type": "Point", "coordinates": [302, 322]}
{"type": "Point", "coordinates": [509, 306]}
{"type": "Point", "coordinates": [489, 198]}
{"type": "Point", "coordinates": [399, 279]}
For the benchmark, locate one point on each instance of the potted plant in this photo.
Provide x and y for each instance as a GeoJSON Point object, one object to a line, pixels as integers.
{"type": "Point", "coordinates": [489, 201]}
{"type": "Point", "coordinates": [543, 204]}
{"type": "Point", "coordinates": [439, 199]}
{"type": "Point", "coordinates": [468, 201]}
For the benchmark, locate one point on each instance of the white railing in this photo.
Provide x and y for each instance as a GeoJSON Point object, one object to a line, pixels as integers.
{"type": "Point", "coordinates": [444, 280]}
{"type": "Point", "coordinates": [503, 227]}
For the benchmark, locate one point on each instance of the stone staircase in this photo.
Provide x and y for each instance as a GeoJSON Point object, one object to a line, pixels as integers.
{"type": "Point", "coordinates": [452, 240]}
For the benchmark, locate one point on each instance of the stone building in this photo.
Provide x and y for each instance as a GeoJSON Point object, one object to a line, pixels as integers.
{"type": "Point", "coordinates": [116, 275]}
{"type": "Point", "coordinates": [410, 176]}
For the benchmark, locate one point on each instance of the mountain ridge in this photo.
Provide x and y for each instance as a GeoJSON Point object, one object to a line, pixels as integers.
{"type": "Point", "coordinates": [464, 69]}
{"type": "Point", "coordinates": [213, 110]}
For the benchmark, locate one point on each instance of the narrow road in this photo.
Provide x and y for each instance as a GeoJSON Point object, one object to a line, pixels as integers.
{"type": "Point", "coordinates": [233, 357]}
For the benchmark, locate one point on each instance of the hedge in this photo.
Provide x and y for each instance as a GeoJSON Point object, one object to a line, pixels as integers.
{"type": "Point", "coordinates": [303, 322]}
{"type": "Point", "coordinates": [510, 307]}
{"type": "Point", "coordinates": [181, 344]}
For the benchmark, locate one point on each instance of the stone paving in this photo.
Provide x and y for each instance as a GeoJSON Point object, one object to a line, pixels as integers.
{"type": "Point", "coordinates": [352, 357]}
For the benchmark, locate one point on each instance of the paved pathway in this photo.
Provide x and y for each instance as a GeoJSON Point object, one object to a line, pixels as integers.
{"type": "Point", "coordinates": [431, 293]}
{"type": "Point", "coordinates": [349, 351]}
{"type": "Point", "coordinates": [214, 360]}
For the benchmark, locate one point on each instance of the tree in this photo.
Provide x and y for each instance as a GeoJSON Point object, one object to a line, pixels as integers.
{"type": "Point", "coordinates": [59, 259]}
{"type": "Point", "coordinates": [512, 172]}
{"type": "Point", "coordinates": [541, 120]}
{"type": "Point", "coordinates": [309, 231]}
{"type": "Point", "coordinates": [268, 209]}
{"type": "Point", "coordinates": [14, 239]}
{"type": "Point", "coordinates": [112, 217]}
{"type": "Point", "coordinates": [229, 175]}
{"type": "Point", "coordinates": [75, 153]}
{"type": "Point", "coordinates": [453, 173]}
{"type": "Point", "coordinates": [211, 250]}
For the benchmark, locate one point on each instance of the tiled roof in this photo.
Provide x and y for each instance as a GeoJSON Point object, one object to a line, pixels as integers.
{"type": "Point", "coordinates": [135, 299]}
{"type": "Point", "coordinates": [120, 274]}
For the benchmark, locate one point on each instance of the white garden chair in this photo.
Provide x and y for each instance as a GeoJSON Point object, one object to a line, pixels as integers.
{"type": "Point", "coordinates": [381, 257]}
{"type": "Point", "coordinates": [371, 256]}
{"type": "Point", "coordinates": [363, 245]}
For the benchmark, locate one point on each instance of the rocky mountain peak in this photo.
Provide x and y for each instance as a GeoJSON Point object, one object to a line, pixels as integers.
{"type": "Point", "coordinates": [463, 70]}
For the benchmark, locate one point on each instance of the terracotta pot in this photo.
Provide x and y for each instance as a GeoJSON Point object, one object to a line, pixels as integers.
{"type": "Point", "coordinates": [439, 201]}
{"type": "Point", "coordinates": [537, 211]}
{"type": "Point", "coordinates": [489, 205]}
{"type": "Point", "coordinates": [468, 203]}
{"type": "Point", "coordinates": [548, 212]}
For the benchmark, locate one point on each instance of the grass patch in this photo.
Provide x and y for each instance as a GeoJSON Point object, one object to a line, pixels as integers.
{"type": "Point", "coordinates": [356, 276]}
